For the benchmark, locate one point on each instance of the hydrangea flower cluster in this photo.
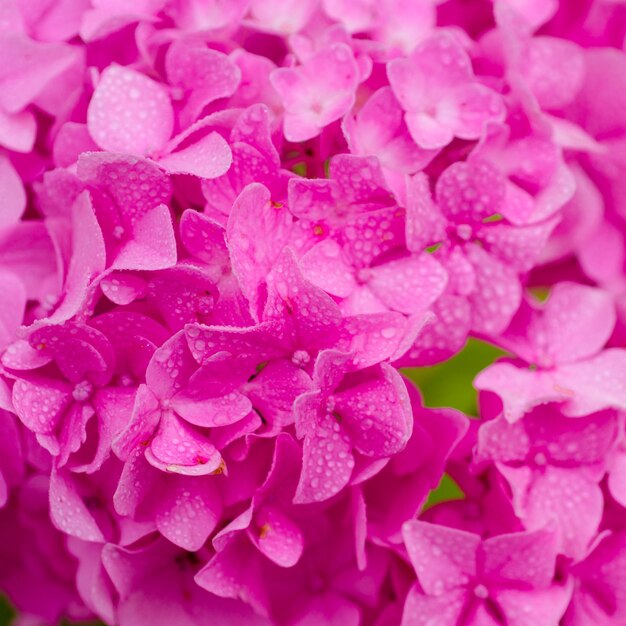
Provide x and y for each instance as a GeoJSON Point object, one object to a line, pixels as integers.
{"type": "Point", "coordinates": [226, 226]}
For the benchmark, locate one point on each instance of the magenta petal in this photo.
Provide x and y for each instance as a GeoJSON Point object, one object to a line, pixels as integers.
{"type": "Point", "coordinates": [68, 511]}
{"type": "Point", "coordinates": [153, 245]}
{"type": "Point", "coordinates": [376, 413]}
{"type": "Point", "coordinates": [180, 449]}
{"type": "Point", "coordinates": [141, 425]}
{"type": "Point", "coordinates": [444, 558]}
{"type": "Point", "coordinates": [277, 536]}
{"type": "Point", "coordinates": [211, 412]}
{"type": "Point", "coordinates": [39, 403]}
{"type": "Point", "coordinates": [188, 513]}
{"type": "Point", "coordinates": [409, 285]}
{"type": "Point", "coordinates": [256, 232]}
{"type": "Point", "coordinates": [327, 462]}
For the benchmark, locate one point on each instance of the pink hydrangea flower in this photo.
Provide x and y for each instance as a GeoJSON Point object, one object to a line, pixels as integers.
{"type": "Point", "coordinates": [440, 95]}
{"type": "Point", "coordinates": [318, 92]}
{"type": "Point", "coordinates": [463, 579]}
{"type": "Point", "coordinates": [226, 228]}
{"type": "Point", "coordinates": [581, 375]}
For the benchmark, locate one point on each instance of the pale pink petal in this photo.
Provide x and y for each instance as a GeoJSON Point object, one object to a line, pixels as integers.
{"type": "Point", "coordinates": [473, 107]}
{"type": "Point", "coordinates": [17, 130]}
{"type": "Point", "coordinates": [318, 92]}
{"type": "Point", "coordinates": [129, 112]}
{"type": "Point", "coordinates": [573, 309]}
{"type": "Point", "coordinates": [540, 607]}
{"type": "Point", "coordinates": [520, 389]}
{"type": "Point", "coordinates": [593, 385]}
{"type": "Point", "coordinates": [427, 131]}
{"type": "Point", "coordinates": [153, 245]}
{"type": "Point", "coordinates": [209, 157]}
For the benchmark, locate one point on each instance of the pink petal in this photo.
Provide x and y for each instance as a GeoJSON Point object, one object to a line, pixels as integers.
{"type": "Point", "coordinates": [313, 314]}
{"type": "Point", "coordinates": [425, 225]}
{"type": "Point", "coordinates": [553, 90]}
{"type": "Point", "coordinates": [256, 234]}
{"type": "Point", "coordinates": [521, 246]}
{"type": "Point", "coordinates": [204, 74]}
{"type": "Point", "coordinates": [68, 511]}
{"type": "Point", "coordinates": [141, 424]}
{"type": "Point", "coordinates": [573, 309]}
{"type": "Point", "coordinates": [211, 411]}
{"type": "Point", "coordinates": [468, 192]}
{"type": "Point", "coordinates": [409, 285]}
{"type": "Point", "coordinates": [88, 258]}
{"type": "Point", "coordinates": [13, 194]}
{"type": "Point", "coordinates": [135, 185]}
{"type": "Point", "coordinates": [593, 385]}
{"type": "Point", "coordinates": [180, 449]}
{"type": "Point", "coordinates": [31, 66]}
{"type": "Point", "coordinates": [317, 93]}
{"type": "Point", "coordinates": [543, 607]}
{"type": "Point", "coordinates": [188, 513]}
{"type": "Point", "coordinates": [324, 266]}
{"type": "Point", "coordinates": [617, 477]}
{"type": "Point", "coordinates": [498, 293]}
{"type": "Point", "coordinates": [18, 130]}
{"type": "Point", "coordinates": [209, 157]}
{"type": "Point", "coordinates": [153, 245]}
{"type": "Point", "coordinates": [129, 112]}
{"type": "Point", "coordinates": [550, 498]}
{"type": "Point", "coordinates": [474, 107]}
{"type": "Point", "coordinates": [520, 558]}
{"type": "Point", "coordinates": [427, 131]}
{"type": "Point", "coordinates": [444, 336]}
{"type": "Point", "coordinates": [327, 463]}
{"type": "Point", "coordinates": [520, 389]}
{"type": "Point", "coordinates": [423, 610]}
{"type": "Point", "coordinates": [122, 288]}
{"type": "Point", "coordinates": [376, 413]}
{"type": "Point", "coordinates": [26, 249]}
{"type": "Point", "coordinates": [12, 306]}
{"type": "Point", "coordinates": [443, 558]}
{"type": "Point", "coordinates": [277, 536]}
{"type": "Point", "coordinates": [40, 403]}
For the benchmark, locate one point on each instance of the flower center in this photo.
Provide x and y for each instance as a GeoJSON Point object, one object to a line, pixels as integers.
{"type": "Point", "coordinates": [82, 391]}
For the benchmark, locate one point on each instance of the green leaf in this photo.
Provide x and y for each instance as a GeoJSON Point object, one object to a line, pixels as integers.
{"type": "Point", "coordinates": [446, 491]}
{"type": "Point", "coordinates": [449, 384]}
